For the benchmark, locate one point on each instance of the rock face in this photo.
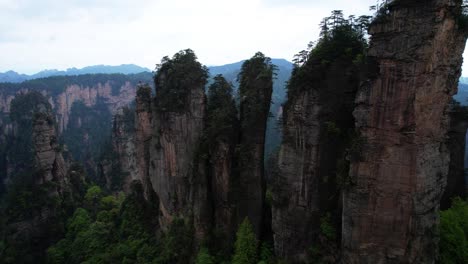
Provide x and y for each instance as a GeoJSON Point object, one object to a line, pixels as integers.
{"type": "Point", "coordinates": [123, 145]}
{"type": "Point", "coordinates": [316, 123]}
{"type": "Point", "coordinates": [255, 89]}
{"type": "Point", "coordinates": [177, 126]}
{"type": "Point", "coordinates": [313, 162]}
{"type": "Point", "coordinates": [457, 142]}
{"type": "Point", "coordinates": [143, 136]}
{"type": "Point", "coordinates": [390, 210]}
{"type": "Point", "coordinates": [63, 103]}
{"type": "Point", "coordinates": [48, 158]}
{"type": "Point", "coordinates": [175, 141]}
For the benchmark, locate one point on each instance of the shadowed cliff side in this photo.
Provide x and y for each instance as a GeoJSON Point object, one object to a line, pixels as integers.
{"type": "Point", "coordinates": [390, 212]}
{"type": "Point", "coordinates": [457, 142]}
{"type": "Point", "coordinates": [255, 89]}
{"type": "Point", "coordinates": [178, 121]}
{"type": "Point", "coordinates": [318, 126]}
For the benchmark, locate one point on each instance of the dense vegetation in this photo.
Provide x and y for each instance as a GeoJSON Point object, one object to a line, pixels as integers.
{"type": "Point", "coordinates": [340, 40]}
{"type": "Point", "coordinates": [454, 233]}
{"type": "Point", "coordinates": [221, 111]}
{"type": "Point", "coordinates": [175, 77]}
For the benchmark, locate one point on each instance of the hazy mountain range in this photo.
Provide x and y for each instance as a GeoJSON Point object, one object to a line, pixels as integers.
{"type": "Point", "coordinates": [14, 77]}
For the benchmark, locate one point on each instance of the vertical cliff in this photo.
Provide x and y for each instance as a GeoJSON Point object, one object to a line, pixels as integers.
{"type": "Point", "coordinates": [255, 89]}
{"type": "Point", "coordinates": [143, 136]}
{"type": "Point", "coordinates": [457, 142]}
{"type": "Point", "coordinates": [219, 141]}
{"type": "Point", "coordinates": [125, 161]}
{"type": "Point", "coordinates": [48, 161]}
{"type": "Point", "coordinates": [390, 212]}
{"type": "Point", "coordinates": [178, 121]}
{"type": "Point", "coordinates": [317, 128]}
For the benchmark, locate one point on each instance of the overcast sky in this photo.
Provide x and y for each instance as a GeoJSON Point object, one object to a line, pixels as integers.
{"type": "Point", "coordinates": [59, 34]}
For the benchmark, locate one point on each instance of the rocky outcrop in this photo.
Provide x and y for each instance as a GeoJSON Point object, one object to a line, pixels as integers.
{"type": "Point", "coordinates": [175, 141]}
{"type": "Point", "coordinates": [143, 136]}
{"type": "Point", "coordinates": [49, 163]}
{"type": "Point", "coordinates": [390, 211]}
{"type": "Point", "coordinates": [456, 185]}
{"type": "Point", "coordinates": [63, 102]}
{"type": "Point", "coordinates": [317, 124]}
{"type": "Point", "coordinates": [255, 89]}
{"type": "Point", "coordinates": [124, 148]}
{"type": "Point", "coordinates": [30, 233]}
{"type": "Point", "coordinates": [177, 127]}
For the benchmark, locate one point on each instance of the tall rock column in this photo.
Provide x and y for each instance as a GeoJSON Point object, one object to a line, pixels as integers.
{"type": "Point", "coordinates": [390, 212]}
{"type": "Point", "coordinates": [123, 172]}
{"type": "Point", "coordinates": [220, 140]}
{"type": "Point", "coordinates": [48, 162]}
{"type": "Point", "coordinates": [317, 124]}
{"type": "Point", "coordinates": [143, 136]}
{"type": "Point", "coordinates": [256, 86]}
{"type": "Point", "coordinates": [178, 119]}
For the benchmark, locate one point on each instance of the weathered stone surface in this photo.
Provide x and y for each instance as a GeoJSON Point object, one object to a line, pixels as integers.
{"type": "Point", "coordinates": [143, 137]}
{"type": "Point", "coordinates": [316, 128]}
{"type": "Point", "coordinates": [174, 142]}
{"type": "Point", "coordinates": [63, 103]}
{"type": "Point", "coordinates": [48, 162]}
{"type": "Point", "coordinates": [123, 144]}
{"type": "Point", "coordinates": [390, 212]}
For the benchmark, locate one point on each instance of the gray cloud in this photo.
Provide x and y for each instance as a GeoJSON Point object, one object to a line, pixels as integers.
{"type": "Point", "coordinates": [36, 35]}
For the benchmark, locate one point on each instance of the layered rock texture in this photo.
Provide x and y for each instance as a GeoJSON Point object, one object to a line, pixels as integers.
{"type": "Point", "coordinates": [317, 121]}
{"type": "Point", "coordinates": [124, 171]}
{"type": "Point", "coordinates": [49, 163]}
{"type": "Point", "coordinates": [143, 137]}
{"type": "Point", "coordinates": [390, 212]}
{"type": "Point", "coordinates": [178, 121]}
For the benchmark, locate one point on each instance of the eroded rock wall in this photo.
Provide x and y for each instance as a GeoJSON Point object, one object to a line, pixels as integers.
{"type": "Point", "coordinates": [173, 147]}
{"type": "Point", "coordinates": [390, 212]}
{"type": "Point", "coordinates": [48, 160]}
{"type": "Point", "coordinates": [143, 137]}
{"type": "Point", "coordinates": [317, 123]}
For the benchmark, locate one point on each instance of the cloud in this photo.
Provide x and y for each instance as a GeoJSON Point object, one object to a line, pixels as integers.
{"type": "Point", "coordinates": [36, 35]}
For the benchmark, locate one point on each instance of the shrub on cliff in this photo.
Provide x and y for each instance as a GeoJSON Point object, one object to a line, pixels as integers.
{"type": "Point", "coordinates": [246, 244]}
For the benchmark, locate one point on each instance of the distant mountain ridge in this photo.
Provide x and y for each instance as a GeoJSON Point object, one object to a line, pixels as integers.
{"type": "Point", "coordinates": [14, 77]}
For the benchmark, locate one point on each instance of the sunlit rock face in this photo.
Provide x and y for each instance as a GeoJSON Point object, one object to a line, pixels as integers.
{"type": "Point", "coordinates": [390, 213]}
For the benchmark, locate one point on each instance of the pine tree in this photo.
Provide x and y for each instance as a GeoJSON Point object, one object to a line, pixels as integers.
{"type": "Point", "coordinates": [204, 257]}
{"type": "Point", "coordinates": [246, 244]}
